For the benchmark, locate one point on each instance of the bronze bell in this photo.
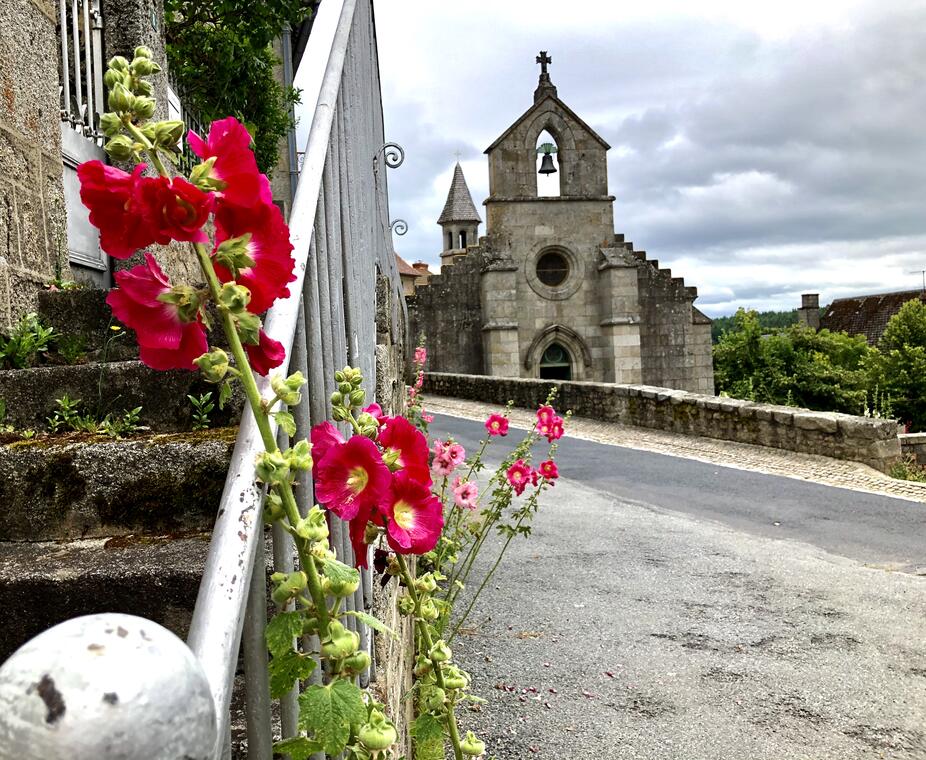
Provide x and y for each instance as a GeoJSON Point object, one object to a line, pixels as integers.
{"type": "Point", "coordinates": [546, 165]}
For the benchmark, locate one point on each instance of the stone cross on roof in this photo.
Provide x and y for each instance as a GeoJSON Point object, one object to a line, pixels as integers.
{"type": "Point", "coordinates": [545, 86]}
{"type": "Point", "coordinates": [543, 59]}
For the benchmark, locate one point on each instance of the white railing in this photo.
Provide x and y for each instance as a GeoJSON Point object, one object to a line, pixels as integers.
{"type": "Point", "coordinates": [80, 33]}
{"type": "Point", "coordinates": [340, 229]}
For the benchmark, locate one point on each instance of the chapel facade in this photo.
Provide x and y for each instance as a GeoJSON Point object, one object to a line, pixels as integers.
{"type": "Point", "coordinates": [551, 291]}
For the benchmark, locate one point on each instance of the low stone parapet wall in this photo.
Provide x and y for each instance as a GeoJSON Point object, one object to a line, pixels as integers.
{"type": "Point", "coordinates": [843, 436]}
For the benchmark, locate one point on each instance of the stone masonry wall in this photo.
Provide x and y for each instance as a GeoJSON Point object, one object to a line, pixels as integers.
{"type": "Point", "coordinates": [843, 436]}
{"type": "Point", "coordinates": [32, 214]}
{"type": "Point", "coordinates": [456, 336]}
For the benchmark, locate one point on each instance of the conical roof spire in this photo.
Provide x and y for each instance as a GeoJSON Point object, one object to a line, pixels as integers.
{"type": "Point", "coordinates": [459, 206]}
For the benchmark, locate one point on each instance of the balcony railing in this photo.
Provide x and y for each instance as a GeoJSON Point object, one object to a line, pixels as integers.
{"type": "Point", "coordinates": [340, 229]}
{"type": "Point", "coordinates": [80, 33]}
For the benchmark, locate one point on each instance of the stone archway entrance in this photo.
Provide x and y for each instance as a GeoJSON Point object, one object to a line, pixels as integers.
{"type": "Point", "coordinates": [556, 363]}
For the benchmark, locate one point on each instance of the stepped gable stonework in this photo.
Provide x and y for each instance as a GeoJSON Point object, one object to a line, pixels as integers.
{"type": "Point", "coordinates": [550, 291]}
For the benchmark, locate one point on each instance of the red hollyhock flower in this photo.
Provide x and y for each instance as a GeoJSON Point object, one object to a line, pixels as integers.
{"type": "Point", "coordinates": [325, 436]}
{"type": "Point", "coordinates": [235, 166]}
{"type": "Point", "coordinates": [269, 248]}
{"type": "Point", "coordinates": [376, 411]}
{"type": "Point", "coordinates": [116, 207]}
{"type": "Point", "coordinates": [545, 414]}
{"type": "Point", "coordinates": [552, 428]}
{"type": "Point", "coordinates": [351, 476]}
{"type": "Point", "coordinates": [266, 355]}
{"type": "Point", "coordinates": [497, 424]}
{"type": "Point", "coordinates": [178, 208]}
{"type": "Point", "coordinates": [165, 341]}
{"type": "Point", "coordinates": [408, 443]}
{"type": "Point", "coordinates": [548, 470]}
{"type": "Point", "coordinates": [414, 516]}
{"type": "Point", "coordinates": [519, 475]}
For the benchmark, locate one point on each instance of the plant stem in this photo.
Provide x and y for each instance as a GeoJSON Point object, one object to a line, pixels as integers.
{"type": "Point", "coordinates": [428, 643]}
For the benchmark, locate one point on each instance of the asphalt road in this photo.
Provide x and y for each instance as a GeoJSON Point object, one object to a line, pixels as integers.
{"type": "Point", "coordinates": [658, 613]}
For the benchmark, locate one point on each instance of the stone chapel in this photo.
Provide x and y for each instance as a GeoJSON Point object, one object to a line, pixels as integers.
{"type": "Point", "coordinates": [550, 290]}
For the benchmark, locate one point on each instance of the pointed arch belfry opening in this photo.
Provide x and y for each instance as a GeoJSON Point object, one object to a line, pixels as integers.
{"type": "Point", "coordinates": [547, 149]}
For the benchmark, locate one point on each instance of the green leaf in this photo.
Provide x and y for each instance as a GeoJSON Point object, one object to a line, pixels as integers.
{"type": "Point", "coordinates": [225, 393]}
{"type": "Point", "coordinates": [428, 733]}
{"type": "Point", "coordinates": [286, 421]}
{"type": "Point", "coordinates": [339, 573]}
{"type": "Point", "coordinates": [328, 711]}
{"type": "Point", "coordinates": [375, 623]}
{"type": "Point", "coordinates": [281, 630]}
{"type": "Point", "coordinates": [298, 748]}
{"type": "Point", "coordinates": [288, 668]}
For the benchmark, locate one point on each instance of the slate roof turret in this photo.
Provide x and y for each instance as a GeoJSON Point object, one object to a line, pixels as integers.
{"type": "Point", "coordinates": [459, 206]}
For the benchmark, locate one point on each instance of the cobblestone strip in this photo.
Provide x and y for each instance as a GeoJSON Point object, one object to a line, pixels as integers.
{"type": "Point", "coordinates": [831, 472]}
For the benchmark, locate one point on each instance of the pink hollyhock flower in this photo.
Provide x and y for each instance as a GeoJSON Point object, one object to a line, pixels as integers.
{"type": "Point", "coordinates": [465, 494]}
{"type": "Point", "coordinates": [455, 453]}
{"type": "Point", "coordinates": [548, 470]}
{"type": "Point", "coordinates": [165, 340]}
{"type": "Point", "coordinates": [325, 436]}
{"type": "Point", "coordinates": [266, 355]}
{"type": "Point", "coordinates": [376, 411]}
{"type": "Point", "coordinates": [497, 424]}
{"type": "Point", "coordinates": [519, 475]}
{"type": "Point", "coordinates": [545, 414]}
{"type": "Point", "coordinates": [351, 476]}
{"type": "Point", "coordinates": [269, 248]}
{"type": "Point", "coordinates": [421, 355]}
{"type": "Point", "coordinates": [414, 516]}
{"type": "Point", "coordinates": [552, 429]}
{"type": "Point", "coordinates": [178, 208]}
{"type": "Point", "coordinates": [428, 418]}
{"type": "Point", "coordinates": [408, 444]}
{"type": "Point", "coordinates": [116, 207]}
{"type": "Point", "coordinates": [442, 466]}
{"type": "Point", "coordinates": [235, 166]}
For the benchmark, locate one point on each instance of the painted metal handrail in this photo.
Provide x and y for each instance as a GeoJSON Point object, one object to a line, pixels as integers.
{"type": "Point", "coordinates": [80, 34]}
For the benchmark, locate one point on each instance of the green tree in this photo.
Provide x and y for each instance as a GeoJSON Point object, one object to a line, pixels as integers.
{"type": "Point", "coordinates": [220, 54]}
{"type": "Point", "coordinates": [899, 368]}
{"type": "Point", "coordinates": [768, 320]}
{"type": "Point", "coordinates": [795, 365]}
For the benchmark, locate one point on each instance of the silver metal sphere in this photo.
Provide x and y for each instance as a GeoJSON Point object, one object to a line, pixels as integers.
{"type": "Point", "coordinates": [105, 687]}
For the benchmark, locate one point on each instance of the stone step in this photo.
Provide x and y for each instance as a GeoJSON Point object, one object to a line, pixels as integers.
{"type": "Point", "coordinates": [43, 584]}
{"type": "Point", "coordinates": [114, 387]}
{"type": "Point", "coordinates": [78, 486]}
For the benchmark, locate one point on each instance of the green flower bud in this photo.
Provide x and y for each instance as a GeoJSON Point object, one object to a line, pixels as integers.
{"type": "Point", "coordinates": [472, 746]}
{"type": "Point", "coordinates": [111, 77]}
{"type": "Point", "coordinates": [309, 626]}
{"type": "Point", "coordinates": [391, 459]}
{"type": "Point", "coordinates": [144, 106]}
{"type": "Point", "coordinates": [345, 388]}
{"type": "Point", "coordinates": [340, 642]}
{"type": "Point", "coordinates": [142, 52]}
{"type": "Point", "coordinates": [392, 566]}
{"type": "Point", "coordinates": [357, 396]}
{"type": "Point", "coordinates": [336, 399]}
{"type": "Point", "coordinates": [120, 99]}
{"type": "Point", "coordinates": [314, 526]}
{"type": "Point", "coordinates": [143, 87]}
{"type": "Point", "coordinates": [378, 733]}
{"type": "Point", "coordinates": [426, 583]}
{"type": "Point", "coordinates": [370, 533]}
{"type": "Point", "coordinates": [118, 63]}
{"type": "Point", "coordinates": [143, 67]}
{"type": "Point", "coordinates": [454, 678]}
{"type": "Point", "coordinates": [201, 176]}
{"type": "Point", "coordinates": [111, 124]}
{"type": "Point", "coordinates": [406, 605]}
{"type": "Point", "coordinates": [356, 663]}
{"type": "Point", "coordinates": [341, 588]}
{"type": "Point", "coordinates": [120, 148]}
{"type": "Point", "coordinates": [233, 253]}
{"type": "Point", "coordinates": [273, 508]}
{"type": "Point", "coordinates": [429, 610]}
{"type": "Point", "coordinates": [432, 699]}
{"type": "Point", "coordinates": [213, 365]}
{"type": "Point", "coordinates": [440, 652]}
{"type": "Point", "coordinates": [168, 133]}
{"type": "Point", "coordinates": [272, 467]}
{"type": "Point", "coordinates": [423, 666]}
{"type": "Point", "coordinates": [288, 389]}
{"type": "Point", "coordinates": [338, 376]}
{"type": "Point", "coordinates": [290, 586]}
{"type": "Point", "coordinates": [234, 298]}
{"type": "Point", "coordinates": [188, 301]}
{"type": "Point", "coordinates": [248, 327]}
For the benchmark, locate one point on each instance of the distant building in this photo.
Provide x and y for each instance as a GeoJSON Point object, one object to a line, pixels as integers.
{"type": "Point", "coordinates": [412, 275]}
{"type": "Point", "coordinates": [858, 315]}
{"type": "Point", "coordinates": [551, 291]}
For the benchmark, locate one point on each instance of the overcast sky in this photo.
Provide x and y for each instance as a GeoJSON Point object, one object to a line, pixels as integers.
{"type": "Point", "coordinates": [760, 149]}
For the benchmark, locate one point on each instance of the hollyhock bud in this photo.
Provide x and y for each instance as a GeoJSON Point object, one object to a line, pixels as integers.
{"type": "Point", "coordinates": [454, 678]}
{"type": "Point", "coordinates": [356, 663]}
{"type": "Point", "coordinates": [429, 610]}
{"type": "Point", "coordinates": [406, 605]}
{"type": "Point", "coordinates": [433, 699]}
{"type": "Point", "coordinates": [336, 398]}
{"type": "Point", "coordinates": [272, 467]}
{"type": "Point", "coordinates": [497, 424]}
{"type": "Point", "coordinates": [110, 124]}
{"type": "Point", "coordinates": [118, 63]}
{"type": "Point", "coordinates": [472, 746]}
{"type": "Point", "coordinates": [234, 298]}
{"type": "Point", "coordinates": [168, 133]}
{"type": "Point", "coordinates": [340, 642]}
{"type": "Point", "coordinates": [314, 526]}
{"type": "Point", "coordinates": [367, 424]}
{"type": "Point", "coordinates": [288, 389]}
{"type": "Point", "coordinates": [142, 51]}
{"type": "Point", "coordinates": [273, 508]}
{"type": "Point", "coordinates": [144, 107]}
{"type": "Point", "coordinates": [143, 67]}
{"type": "Point", "coordinates": [213, 365]}
{"type": "Point", "coordinates": [111, 78]}
{"type": "Point", "coordinates": [288, 586]}
{"type": "Point", "coordinates": [423, 666]}
{"type": "Point", "coordinates": [120, 99]}
{"type": "Point", "coordinates": [426, 583]}
{"type": "Point", "coordinates": [357, 397]}
{"type": "Point", "coordinates": [440, 652]}
{"type": "Point", "coordinates": [120, 148]}
{"type": "Point", "coordinates": [377, 733]}
{"type": "Point", "coordinates": [299, 457]}
{"type": "Point", "coordinates": [342, 586]}
{"type": "Point", "coordinates": [143, 87]}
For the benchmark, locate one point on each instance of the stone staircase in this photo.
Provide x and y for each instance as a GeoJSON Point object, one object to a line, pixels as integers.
{"type": "Point", "coordinates": [95, 524]}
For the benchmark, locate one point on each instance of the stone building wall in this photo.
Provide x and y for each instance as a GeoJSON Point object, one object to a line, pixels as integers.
{"type": "Point", "coordinates": [843, 436]}
{"type": "Point", "coordinates": [33, 241]}
{"type": "Point", "coordinates": [448, 313]}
